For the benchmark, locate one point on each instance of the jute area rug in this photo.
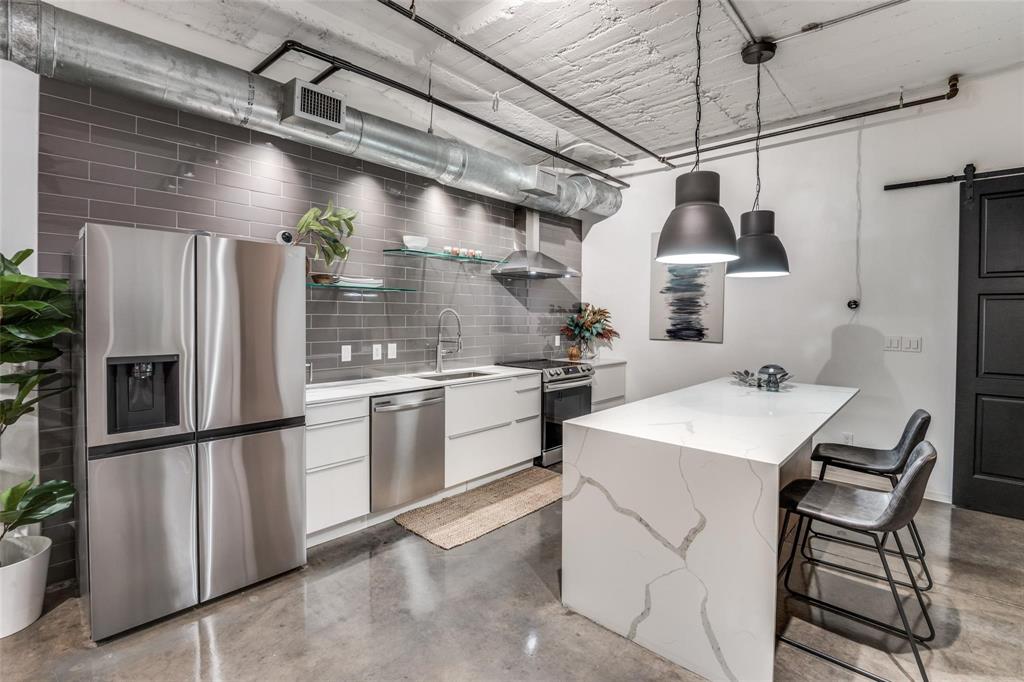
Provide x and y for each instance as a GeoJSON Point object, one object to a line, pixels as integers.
{"type": "Point", "coordinates": [458, 519]}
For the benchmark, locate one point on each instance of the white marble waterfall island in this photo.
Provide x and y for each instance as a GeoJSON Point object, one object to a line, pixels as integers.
{"type": "Point", "coordinates": [670, 518]}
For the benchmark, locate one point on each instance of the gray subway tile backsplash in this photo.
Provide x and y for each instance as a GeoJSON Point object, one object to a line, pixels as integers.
{"type": "Point", "coordinates": [105, 157]}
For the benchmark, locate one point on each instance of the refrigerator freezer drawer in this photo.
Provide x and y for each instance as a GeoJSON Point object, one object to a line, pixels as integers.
{"type": "Point", "coordinates": [250, 332]}
{"type": "Point", "coordinates": [142, 538]}
{"type": "Point", "coordinates": [251, 509]}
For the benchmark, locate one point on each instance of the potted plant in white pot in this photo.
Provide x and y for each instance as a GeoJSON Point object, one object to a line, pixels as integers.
{"type": "Point", "coordinates": [34, 313]}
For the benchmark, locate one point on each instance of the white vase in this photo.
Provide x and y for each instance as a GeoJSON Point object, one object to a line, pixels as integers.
{"type": "Point", "coordinates": [24, 561]}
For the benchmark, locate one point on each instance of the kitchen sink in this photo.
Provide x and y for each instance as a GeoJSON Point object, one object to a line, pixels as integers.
{"type": "Point", "coordinates": [450, 376]}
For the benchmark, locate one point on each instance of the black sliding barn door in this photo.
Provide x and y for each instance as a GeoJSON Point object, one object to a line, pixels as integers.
{"type": "Point", "coordinates": [989, 443]}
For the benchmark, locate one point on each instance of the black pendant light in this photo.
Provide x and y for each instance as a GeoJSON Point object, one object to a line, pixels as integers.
{"type": "Point", "coordinates": [698, 229]}
{"type": "Point", "coordinates": [761, 253]}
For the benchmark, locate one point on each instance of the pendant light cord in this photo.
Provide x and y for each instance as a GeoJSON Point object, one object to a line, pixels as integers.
{"type": "Point", "coordinates": [696, 89]}
{"type": "Point", "coordinates": [757, 141]}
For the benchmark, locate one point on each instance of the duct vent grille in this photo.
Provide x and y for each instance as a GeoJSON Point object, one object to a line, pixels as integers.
{"type": "Point", "coordinates": [322, 106]}
{"type": "Point", "coordinates": [312, 106]}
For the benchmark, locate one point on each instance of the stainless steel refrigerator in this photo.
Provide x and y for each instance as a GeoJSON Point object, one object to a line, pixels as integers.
{"type": "Point", "coordinates": [190, 455]}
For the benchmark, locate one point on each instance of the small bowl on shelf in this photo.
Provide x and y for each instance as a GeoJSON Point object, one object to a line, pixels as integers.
{"type": "Point", "coordinates": [415, 242]}
{"type": "Point", "coordinates": [322, 278]}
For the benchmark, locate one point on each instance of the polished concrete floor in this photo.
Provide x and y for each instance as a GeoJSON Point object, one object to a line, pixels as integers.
{"type": "Point", "coordinates": [387, 605]}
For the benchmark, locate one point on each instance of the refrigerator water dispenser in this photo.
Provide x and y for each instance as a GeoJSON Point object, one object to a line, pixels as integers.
{"type": "Point", "coordinates": [142, 393]}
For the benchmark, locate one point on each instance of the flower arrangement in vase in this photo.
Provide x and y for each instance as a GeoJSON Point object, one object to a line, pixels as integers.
{"type": "Point", "coordinates": [587, 327]}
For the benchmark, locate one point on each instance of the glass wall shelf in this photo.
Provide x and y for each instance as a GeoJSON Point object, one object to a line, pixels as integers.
{"type": "Point", "coordinates": [439, 256]}
{"type": "Point", "coordinates": [353, 287]}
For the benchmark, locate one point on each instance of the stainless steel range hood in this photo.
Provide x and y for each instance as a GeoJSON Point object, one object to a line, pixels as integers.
{"type": "Point", "coordinates": [530, 263]}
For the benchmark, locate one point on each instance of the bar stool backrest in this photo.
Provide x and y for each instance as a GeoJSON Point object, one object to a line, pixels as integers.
{"type": "Point", "coordinates": [914, 432]}
{"type": "Point", "coordinates": [905, 499]}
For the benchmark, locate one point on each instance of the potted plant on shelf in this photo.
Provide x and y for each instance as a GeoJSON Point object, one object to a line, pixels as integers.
{"type": "Point", "coordinates": [325, 229]}
{"type": "Point", "coordinates": [587, 327]}
{"type": "Point", "coordinates": [34, 313]}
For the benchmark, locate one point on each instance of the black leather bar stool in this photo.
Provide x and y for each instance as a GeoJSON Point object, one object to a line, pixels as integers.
{"type": "Point", "coordinates": [875, 514]}
{"type": "Point", "coordinates": [888, 464]}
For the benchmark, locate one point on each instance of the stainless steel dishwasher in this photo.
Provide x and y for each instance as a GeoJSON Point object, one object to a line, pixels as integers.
{"type": "Point", "coordinates": [406, 447]}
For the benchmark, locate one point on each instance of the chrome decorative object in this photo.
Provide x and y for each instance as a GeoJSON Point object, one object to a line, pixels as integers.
{"type": "Point", "coordinates": [772, 376]}
{"type": "Point", "coordinates": [769, 377]}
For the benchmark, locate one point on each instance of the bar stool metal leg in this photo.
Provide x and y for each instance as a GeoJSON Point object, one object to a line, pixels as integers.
{"type": "Point", "coordinates": [910, 636]}
{"type": "Point", "coordinates": [906, 632]}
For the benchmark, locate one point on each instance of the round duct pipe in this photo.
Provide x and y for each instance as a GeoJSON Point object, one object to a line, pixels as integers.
{"type": "Point", "coordinates": [59, 44]}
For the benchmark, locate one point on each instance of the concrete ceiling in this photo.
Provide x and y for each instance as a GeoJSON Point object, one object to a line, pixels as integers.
{"type": "Point", "coordinates": [629, 63]}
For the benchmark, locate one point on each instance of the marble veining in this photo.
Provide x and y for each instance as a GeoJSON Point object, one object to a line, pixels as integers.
{"type": "Point", "coordinates": [636, 484]}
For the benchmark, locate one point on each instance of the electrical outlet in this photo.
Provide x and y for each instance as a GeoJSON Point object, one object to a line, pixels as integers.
{"type": "Point", "coordinates": [392, 351]}
{"type": "Point", "coordinates": [376, 351]}
{"type": "Point", "coordinates": [847, 437]}
{"type": "Point", "coordinates": [558, 341]}
{"type": "Point", "coordinates": [346, 353]}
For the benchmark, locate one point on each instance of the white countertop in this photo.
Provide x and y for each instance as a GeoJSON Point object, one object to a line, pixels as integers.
{"type": "Point", "coordinates": [724, 417]}
{"type": "Point", "coordinates": [365, 388]}
{"type": "Point", "coordinates": [599, 362]}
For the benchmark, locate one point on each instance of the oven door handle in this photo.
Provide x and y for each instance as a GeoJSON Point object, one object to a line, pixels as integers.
{"type": "Point", "coordinates": [560, 385]}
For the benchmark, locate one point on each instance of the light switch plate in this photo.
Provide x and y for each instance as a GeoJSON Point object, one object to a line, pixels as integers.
{"type": "Point", "coordinates": [893, 343]}
{"type": "Point", "coordinates": [376, 351]}
{"type": "Point", "coordinates": [558, 341]}
{"type": "Point", "coordinates": [392, 351]}
{"type": "Point", "coordinates": [912, 344]}
{"type": "Point", "coordinates": [346, 353]}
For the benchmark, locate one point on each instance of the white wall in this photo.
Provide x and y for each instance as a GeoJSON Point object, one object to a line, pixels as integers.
{"type": "Point", "coordinates": [908, 263]}
{"type": "Point", "coordinates": [19, 154]}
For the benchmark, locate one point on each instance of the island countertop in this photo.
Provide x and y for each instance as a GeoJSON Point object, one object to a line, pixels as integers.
{"type": "Point", "coordinates": [670, 518]}
{"type": "Point", "coordinates": [724, 417]}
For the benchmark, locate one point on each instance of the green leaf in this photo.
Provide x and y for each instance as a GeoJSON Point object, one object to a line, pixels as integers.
{"type": "Point", "coordinates": [10, 265]}
{"type": "Point", "coordinates": [45, 500]}
{"type": "Point", "coordinates": [38, 330]}
{"type": "Point", "coordinates": [21, 377]}
{"type": "Point", "coordinates": [10, 498]}
{"type": "Point", "coordinates": [29, 353]}
{"type": "Point", "coordinates": [33, 308]}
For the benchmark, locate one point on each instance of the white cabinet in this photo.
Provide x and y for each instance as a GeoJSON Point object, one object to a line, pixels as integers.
{"type": "Point", "coordinates": [476, 405]}
{"type": "Point", "coordinates": [608, 388]}
{"type": "Point", "coordinates": [490, 425]}
{"type": "Point", "coordinates": [337, 462]}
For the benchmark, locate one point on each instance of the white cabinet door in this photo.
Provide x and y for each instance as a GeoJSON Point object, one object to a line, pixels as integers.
{"type": "Point", "coordinates": [609, 382]}
{"type": "Point", "coordinates": [337, 441]}
{"type": "Point", "coordinates": [477, 405]}
{"type": "Point", "coordinates": [526, 400]}
{"type": "Point", "coordinates": [321, 413]}
{"type": "Point", "coordinates": [336, 493]}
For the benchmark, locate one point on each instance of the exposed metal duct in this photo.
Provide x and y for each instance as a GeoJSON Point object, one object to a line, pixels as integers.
{"type": "Point", "coordinates": [59, 44]}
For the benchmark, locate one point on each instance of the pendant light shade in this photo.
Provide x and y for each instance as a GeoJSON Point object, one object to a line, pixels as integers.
{"type": "Point", "coordinates": [698, 230]}
{"type": "Point", "coordinates": [761, 252]}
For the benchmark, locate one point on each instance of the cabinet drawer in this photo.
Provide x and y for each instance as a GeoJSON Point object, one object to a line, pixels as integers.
{"type": "Point", "coordinates": [526, 438]}
{"type": "Point", "coordinates": [336, 411]}
{"type": "Point", "coordinates": [526, 401]}
{"type": "Point", "coordinates": [526, 381]}
{"type": "Point", "coordinates": [597, 406]}
{"type": "Point", "coordinates": [609, 382]}
{"type": "Point", "coordinates": [477, 405]}
{"type": "Point", "coordinates": [337, 493]}
{"type": "Point", "coordinates": [337, 441]}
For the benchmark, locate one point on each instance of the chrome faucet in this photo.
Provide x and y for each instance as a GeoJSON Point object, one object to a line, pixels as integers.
{"type": "Point", "coordinates": [441, 352]}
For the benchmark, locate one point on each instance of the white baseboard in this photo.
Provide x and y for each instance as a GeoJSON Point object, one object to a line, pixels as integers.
{"type": "Point", "coordinates": [363, 522]}
{"type": "Point", "coordinates": [869, 481]}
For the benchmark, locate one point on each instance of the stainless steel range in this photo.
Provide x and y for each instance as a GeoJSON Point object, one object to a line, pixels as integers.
{"type": "Point", "coordinates": [566, 395]}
